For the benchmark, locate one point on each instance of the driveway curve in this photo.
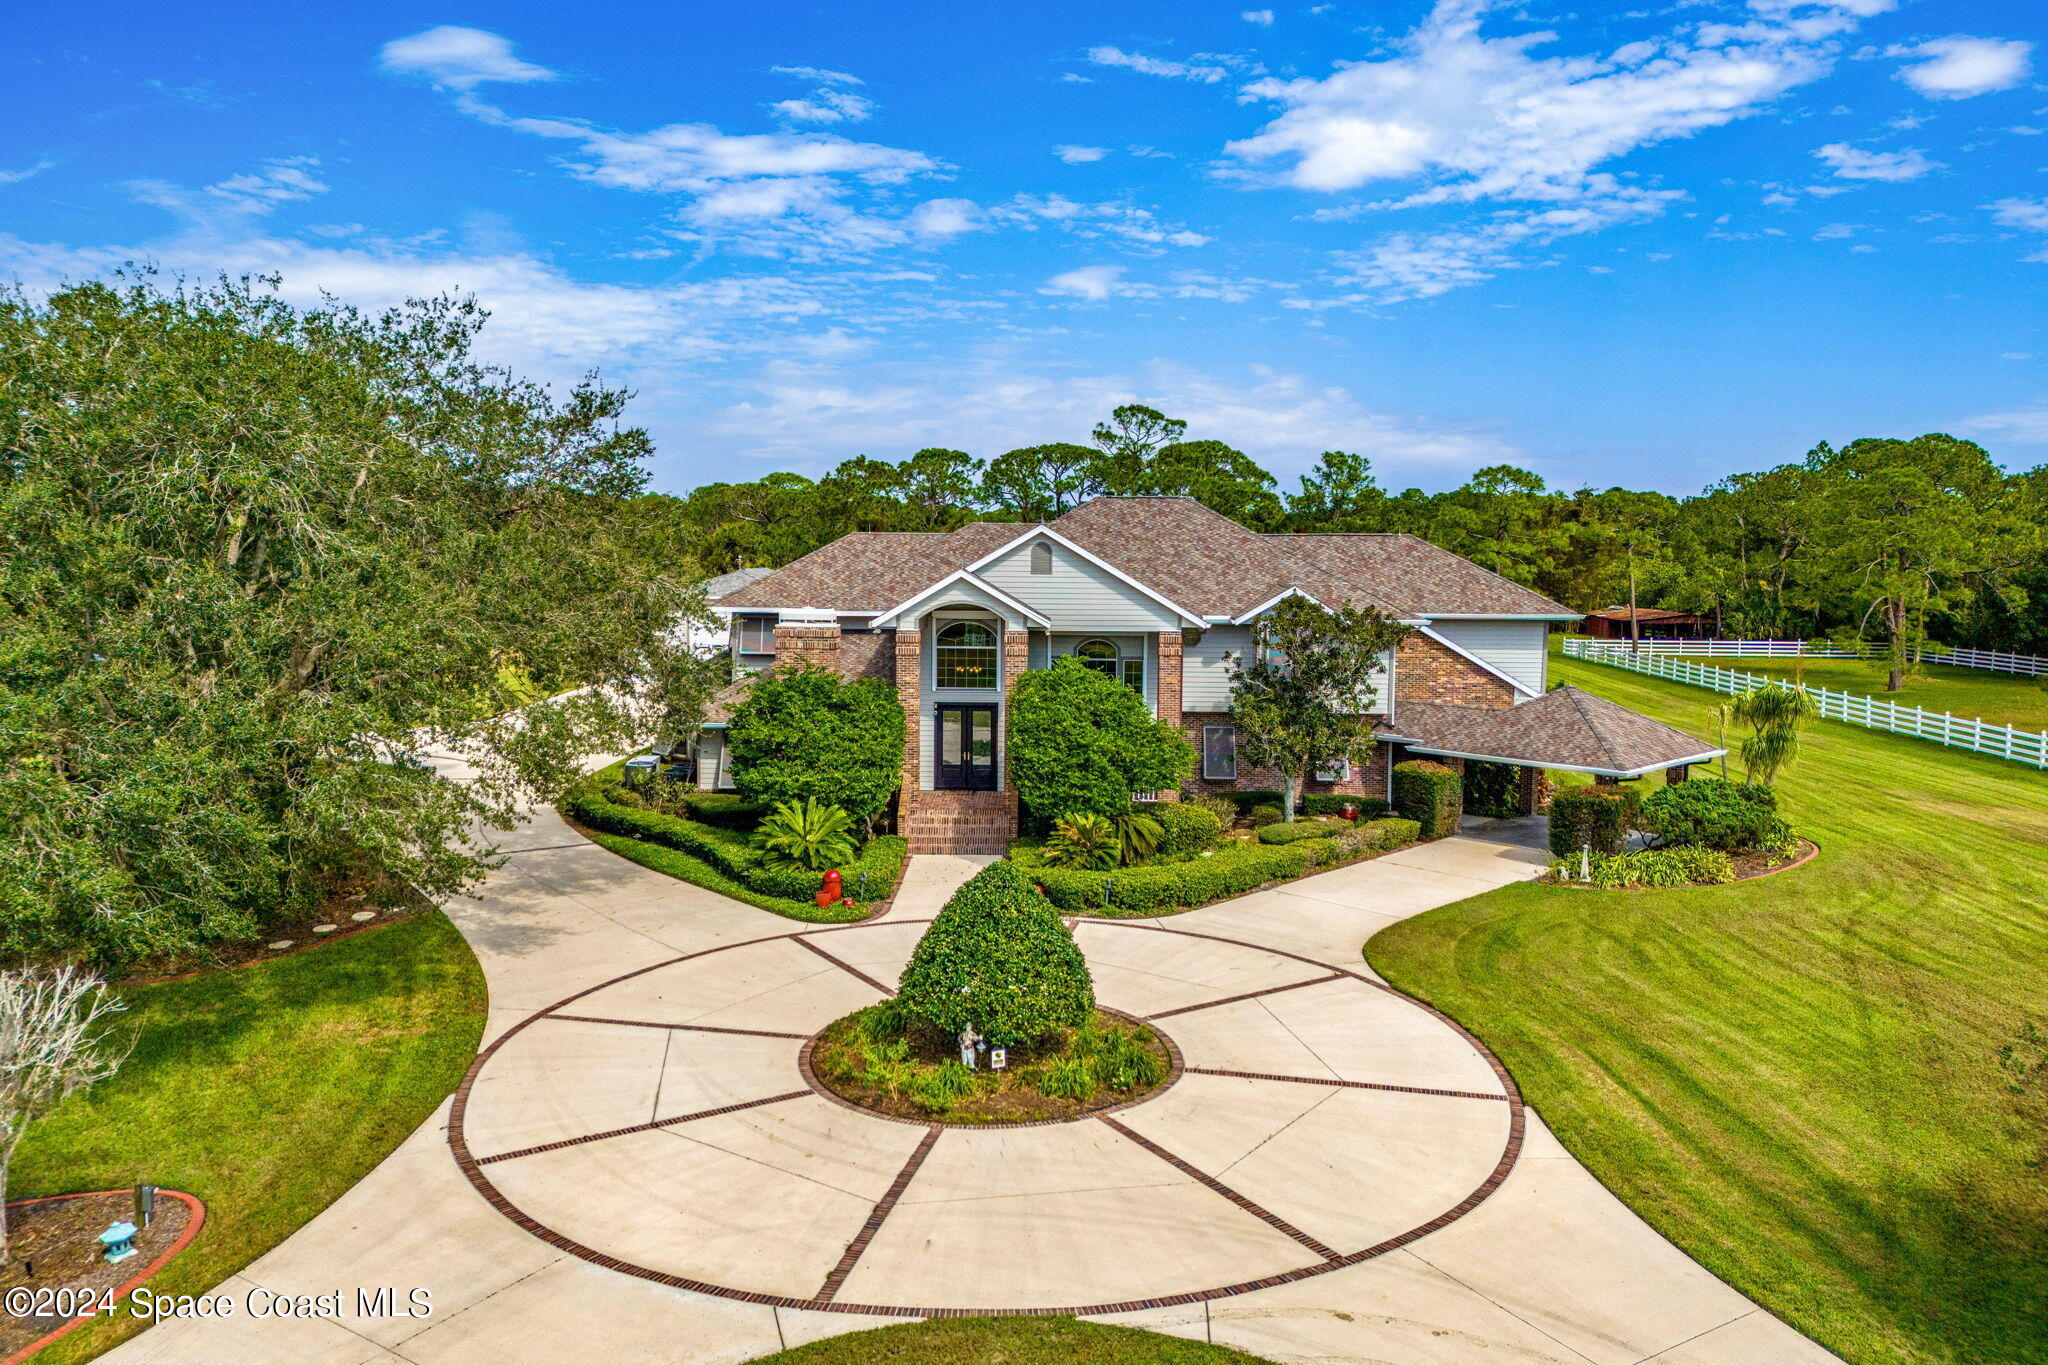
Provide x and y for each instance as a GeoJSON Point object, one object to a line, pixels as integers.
{"type": "Point", "coordinates": [1339, 1174]}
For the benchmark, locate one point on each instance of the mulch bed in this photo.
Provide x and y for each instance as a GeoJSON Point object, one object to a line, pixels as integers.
{"type": "Point", "coordinates": [54, 1244]}
{"type": "Point", "coordinates": [1748, 867]}
{"type": "Point", "coordinates": [1003, 1098]}
{"type": "Point", "coordinates": [339, 910]}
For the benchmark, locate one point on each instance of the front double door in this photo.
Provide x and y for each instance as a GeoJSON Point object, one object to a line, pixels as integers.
{"type": "Point", "coordinates": [966, 756]}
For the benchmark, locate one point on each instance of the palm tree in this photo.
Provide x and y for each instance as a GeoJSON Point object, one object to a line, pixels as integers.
{"type": "Point", "coordinates": [1774, 712]}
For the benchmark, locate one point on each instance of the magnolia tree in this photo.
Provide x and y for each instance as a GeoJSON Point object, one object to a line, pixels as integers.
{"type": "Point", "coordinates": [50, 1047]}
{"type": "Point", "coordinates": [1301, 695]}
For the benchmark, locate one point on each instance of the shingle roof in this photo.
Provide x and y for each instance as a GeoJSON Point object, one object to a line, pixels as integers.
{"type": "Point", "coordinates": [1562, 728]}
{"type": "Point", "coordinates": [725, 584]}
{"type": "Point", "coordinates": [1193, 556]}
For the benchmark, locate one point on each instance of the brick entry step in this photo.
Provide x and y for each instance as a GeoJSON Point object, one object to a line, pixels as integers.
{"type": "Point", "coordinates": [961, 822]}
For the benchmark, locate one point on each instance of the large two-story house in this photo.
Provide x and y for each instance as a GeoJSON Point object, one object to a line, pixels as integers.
{"type": "Point", "coordinates": [1155, 592]}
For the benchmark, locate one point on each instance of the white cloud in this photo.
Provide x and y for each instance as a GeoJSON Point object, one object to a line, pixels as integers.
{"type": "Point", "coordinates": [944, 217]}
{"type": "Point", "coordinates": [829, 103]}
{"type": "Point", "coordinates": [1854, 163]}
{"type": "Point", "coordinates": [1075, 156]}
{"type": "Point", "coordinates": [1109, 220]}
{"type": "Point", "coordinates": [1960, 67]}
{"type": "Point", "coordinates": [1155, 66]}
{"type": "Point", "coordinates": [459, 58]}
{"type": "Point", "coordinates": [1404, 266]}
{"type": "Point", "coordinates": [2028, 214]}
{"type": "Point", "coordinates": [1262, 17]}
{"type": "Point", "coordinates": [1093, 282]}
{"type": "Point", "coordinates": [1835, 231]}
{"type": "Point", "coordinates": [816, 414]}
{"type": "Point", "coordinates": [2022, 426]}
{"type": "Point", "coordinates": [283, 180]}
{"type": "Point", "coordinates": [1483, 117]}
{"type": "Point", "coordinates": [16, 176]}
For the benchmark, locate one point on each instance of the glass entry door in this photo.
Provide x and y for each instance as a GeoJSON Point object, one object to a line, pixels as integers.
{"type": "Point", "coordinates": [966, 758]}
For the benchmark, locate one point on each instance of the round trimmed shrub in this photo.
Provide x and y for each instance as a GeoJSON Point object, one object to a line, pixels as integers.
{"type": "Point", "coordinates": [999, 958]}
{"type": "Point", "coordinates": [1711, 813]}
{"type": "Point", "coordinates": [1082, 741]}
{"type": "Point", "coordinates": [1261, 816]}
{"type": "Point", "coordinates": [1184, 827]}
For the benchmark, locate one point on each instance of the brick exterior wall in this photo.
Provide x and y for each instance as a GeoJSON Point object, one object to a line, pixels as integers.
{"type": "Point", "coordinates": [1367, 779]}
{"type": "Point", "coordinates": [1425, 671]}
{"type": "Point", "coordinates": [1166, 687]}
{"type": "Point", "coordinates": [867, 654]}
{"type": "Point", "coordinates": [817, 645]}
{"type": "Point", "coordinates": [909, 691]}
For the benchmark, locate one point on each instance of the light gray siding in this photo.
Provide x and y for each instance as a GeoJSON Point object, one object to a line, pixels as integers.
{"type": "Point", "coordinates": [713, 773]}
{"type": "Point", "coordinates": [1516, 648]}
{"type": "Point", "coordinates": [1077, 595]}
{"type": "Point", "coordinates": [1205, 680]}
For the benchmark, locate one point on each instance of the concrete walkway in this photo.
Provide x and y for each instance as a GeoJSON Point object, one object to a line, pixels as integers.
{"type": "Point", "coordinates": [717, 1168]}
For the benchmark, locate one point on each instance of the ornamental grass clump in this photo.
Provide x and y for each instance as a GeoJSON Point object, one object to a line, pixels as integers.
{"type": "Point", "coordinates": [998, 959]}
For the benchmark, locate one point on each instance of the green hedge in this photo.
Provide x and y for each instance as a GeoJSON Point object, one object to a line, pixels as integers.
{"type": "Point", "coordinates": [998, 958]}
{"type": "Point", "coordinates": [1294, 831]}
{"type": "Point", "coordinates": [1183, 828]}
{"type": "Point", "coordinates": [1231, 870]}
{"type": "Point", "coordinates": [1331, 803]}
{"type": "Point", "coordinates": [1431, 795]}
{"type": "Point", "coordinates": [727, 810]}
{"type": "Point", "coordinates": [1711, 813]}
{"type": "Point", "coordinates": [672, 863]}
{"type": "Point", "coordinates": [1244, 801]}
{"type": "Point", "coordinates": [868, 877]}
{"type": "Point", "coordinates": [1597, 817]}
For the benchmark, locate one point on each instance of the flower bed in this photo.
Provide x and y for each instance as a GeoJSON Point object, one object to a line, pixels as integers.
{"type": "Point", "coordinates": [1234, 868]}
{"type": "Point", "coordinates": [1684, 865]}
{"type": "Point", "coordinates": [723, 859]}
{"type": "Point", "coordinates": [872, 1060]}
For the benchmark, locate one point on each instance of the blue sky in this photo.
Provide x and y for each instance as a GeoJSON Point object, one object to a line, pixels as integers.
{"type": "Point", "coordinates": [1645, 247]}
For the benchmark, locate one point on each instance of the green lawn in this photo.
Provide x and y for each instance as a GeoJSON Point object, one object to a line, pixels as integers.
{"type": "Point", "coordinates": [1795, 1078]}
{"type": "Point", "coordinates": [1008, 1341]}
{"type": "Point", "coordinates": [267, 1091]}
{"type": "Point", "coordinates": [1999, 698]}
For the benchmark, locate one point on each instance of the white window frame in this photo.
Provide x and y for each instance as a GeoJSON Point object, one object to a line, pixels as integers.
{"type": "Point", "coordinates": [1121, 666]}
{"type": "Point", "coordinates": [1340, 773]}
{"type": "Point", "coordinates": [745, 633]}
{"type": "Point", "coordinates": [995, 648]}
{"type": "Point", "coordinates": [1207, 775]}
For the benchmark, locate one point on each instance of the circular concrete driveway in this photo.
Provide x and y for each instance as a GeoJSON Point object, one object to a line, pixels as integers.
{"type": "Point", "coordinates": [659, 1124]}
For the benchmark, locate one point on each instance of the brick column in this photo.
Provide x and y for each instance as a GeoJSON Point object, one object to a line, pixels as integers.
{"type": "Point", "coordinates": [1674, 776]}
{"type": "Point", "coordinates": [1166, 688]}
{"type": "Point", "coordinates": [1534, 791]}
{"type": "Point", "coordinates": [1016, 659]}
{"type": "Point", "coordinates": [910, 692]}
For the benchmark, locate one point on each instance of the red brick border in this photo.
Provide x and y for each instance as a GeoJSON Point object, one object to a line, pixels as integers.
{"type": "Point", "coordinates": [178, 1244]}
{"type": "Point", "coordinates": [471, 1167]}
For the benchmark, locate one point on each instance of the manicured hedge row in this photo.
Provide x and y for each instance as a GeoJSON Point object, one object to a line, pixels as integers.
{"type": "Point", "coordinates": [868, 877]}
{"type": "Point", "coordinates": [1229, 871]}
{"type": "Point", "coordinates": [1430, 794]}
{"type": "Point", "coordinates": [725, 809]}
{"type": "Point", "coordinates": [672, 863]}
{"type": "Point", "coordinates": [1294, 831]}
{"type": "Point", "coordinates": [1330, 803]}
{"type": "Point", "coordinates": [1596, 817]}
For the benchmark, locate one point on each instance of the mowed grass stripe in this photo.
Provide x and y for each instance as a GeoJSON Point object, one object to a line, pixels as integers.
{"type": "Point", "coordinates": [1796, 1078]}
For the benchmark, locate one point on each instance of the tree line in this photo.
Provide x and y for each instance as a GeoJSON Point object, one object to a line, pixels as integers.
{"type": "Point", "coordinates": [1893, 541]}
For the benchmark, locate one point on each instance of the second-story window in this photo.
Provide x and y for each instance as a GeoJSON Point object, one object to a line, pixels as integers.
{"type": "Point", "coordinates": [756, 634]}
{"type": "Point", "coordinates": [1104, 657]}
{"type": "Point", "coordinates": [965, 656]}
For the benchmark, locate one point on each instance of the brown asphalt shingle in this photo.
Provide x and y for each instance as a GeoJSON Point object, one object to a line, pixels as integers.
{"type": "Point", "coordinates": [1196, 558]}
{"type": "Point", "coordinates": [1563, 727]}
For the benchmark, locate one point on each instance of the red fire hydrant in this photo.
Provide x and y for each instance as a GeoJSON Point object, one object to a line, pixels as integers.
{"type": "Point", "coordinates": [1350, 811]}
{"type": "Point", "coordinates": [829, 893]}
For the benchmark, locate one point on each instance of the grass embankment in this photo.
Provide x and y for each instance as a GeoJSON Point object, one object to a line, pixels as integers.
{"type": "Point", "coordinates": [1972, 693]}
{"type": "Point", "coordinates": [1796, 1078]}
{"type": "Point", "coordinates": [267, 1091]}
{"type": "Point", "coordinates": [1008, 1341]}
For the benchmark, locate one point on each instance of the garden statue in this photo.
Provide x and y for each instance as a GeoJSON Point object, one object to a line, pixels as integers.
{"type": "Point", "coordinates": [969, 1041]}
{"type": "Point", "coordinates": [119, 1240]}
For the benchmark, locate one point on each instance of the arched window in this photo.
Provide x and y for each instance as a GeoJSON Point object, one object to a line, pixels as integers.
{"type": "Point", "coordinates": [965, 656]}
{"type": "Point", "coordinates": [1104, 657]}
{"type": "Point", "coordinates": [1041, 557]}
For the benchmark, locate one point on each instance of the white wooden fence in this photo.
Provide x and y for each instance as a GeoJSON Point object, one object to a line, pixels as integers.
{"type": "Point", "coordinates": [1854, 708]}
{"type": "Point", "coordinates": [1998, 660]}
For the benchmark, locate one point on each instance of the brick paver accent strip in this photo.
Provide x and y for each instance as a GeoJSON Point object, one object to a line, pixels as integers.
{"type": "Point", "coordinates": [642, 1127]}
{"type": "Point", "coordinates": [1348, 1085]}
{"type": "Point", "coordinates": [687, 1028]}
{"type": "Point", "coordinates": [842, 965]}
{"type": "Point", "coordinates": [1249, 995]}
{"type": "Point", "coordinates": [837, 1276]}
{"type": "Point", "coordinates": [1259, 1212]}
